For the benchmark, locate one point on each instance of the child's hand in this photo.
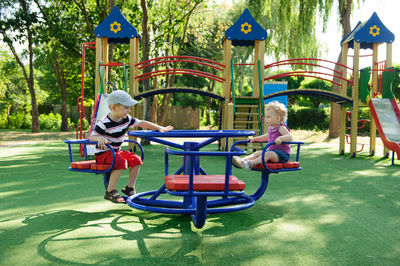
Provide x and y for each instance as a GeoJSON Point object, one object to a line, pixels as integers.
{"type": "Point", "coordinates": [101, 142]}
{"type": "Point", "coordinates": [278, 141]}
{"type": "Point", "coordinates": [251, 138]}
{"type": "Point", "coordinates": [166, 129]}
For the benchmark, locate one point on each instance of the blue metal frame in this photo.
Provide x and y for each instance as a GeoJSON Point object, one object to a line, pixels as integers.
{"type": "Point", "coordinates": [107, 172]}
{"type": "Point", "coordinates": [195, 203]}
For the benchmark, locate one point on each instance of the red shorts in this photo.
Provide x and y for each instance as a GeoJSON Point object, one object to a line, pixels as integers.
{"type": "Point", "coordinates": [123, 159]}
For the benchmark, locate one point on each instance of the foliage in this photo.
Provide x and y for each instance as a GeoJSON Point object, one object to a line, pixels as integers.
{"type": "Point", "coordinates": [313, 83]}
{"type": "Point", "coordinates": [396, 82]}
{"type": "Point", "coordinates": [309, 118]}
{"type": "Point", "coordinates": [21, 120]}
{"type": "Point", "coordinates": [19, 24]}
{"type": "Point", "coordinates": [291, 25]}
{"type": "Point", "coordinates": [18, 120]}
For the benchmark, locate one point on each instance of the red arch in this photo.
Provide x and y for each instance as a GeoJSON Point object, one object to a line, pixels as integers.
{"type": "Point", "coordinates": [178, 71]}
{"type": "Point", "coordinates": [305, 73]}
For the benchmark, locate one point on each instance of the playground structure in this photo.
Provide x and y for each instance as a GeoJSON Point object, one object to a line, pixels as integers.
{"type": "Point", "coordinates": [246, 112]}
{"type": "Point", "coordinates": [201, 193]}
{"type": "Point", "coordinates": [241, 116]}
{"type": "Point", "coordinates": [369, 35]}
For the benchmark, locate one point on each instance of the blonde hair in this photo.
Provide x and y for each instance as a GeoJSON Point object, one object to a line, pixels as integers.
{"type": "Point", "coordinates": [279, 108]}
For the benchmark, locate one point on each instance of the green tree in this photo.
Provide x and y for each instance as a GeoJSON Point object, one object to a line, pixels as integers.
{"type": "Point", "coordinates": [19, 24]}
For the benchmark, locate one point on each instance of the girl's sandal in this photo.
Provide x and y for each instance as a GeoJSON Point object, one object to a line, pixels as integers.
{"type": "Point", "coordinates": [129, 191]}
{"type": "Point", "coordinates": [114, 196]}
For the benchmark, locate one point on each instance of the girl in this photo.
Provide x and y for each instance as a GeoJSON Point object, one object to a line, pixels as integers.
{"type": "Point", "coordinates": [278, 132]}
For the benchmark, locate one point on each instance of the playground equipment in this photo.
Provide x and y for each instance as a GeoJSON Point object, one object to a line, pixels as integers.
{"type": "Point", "coordinates": [90, 166]}
{"type": "Point", "coordinates": [191, 182]}
{"type": "Point", "coordinates": [238, 112]}
{"type": "Point", "coordinates": [386, 114]}
{"type": "Point", "coordinates": [367, 35]}
{"type": "Point", "coordinates": [194, 186]}
{"type": "Point", "coordinates": [363, 122]}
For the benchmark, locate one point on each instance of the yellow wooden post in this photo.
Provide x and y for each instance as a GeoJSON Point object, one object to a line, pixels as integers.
{"type": "Point", "coordinates": [227, 71]}
{"type": "Point", "coordinates": [97, 74]}
{"type": "Point", "coordinates": [226, 121]}
{"type": "Point", "coordinates": [259, 48]}
{"type": "Point", "coordinates": [133, 72]}
{"type": "Point", "coordinates": [354, 111]}
{"type": "Point", "coordinates": [105, 61]}
{"type": "Point", "coordinates": [229, 122]}
{"type": "Point", "coordinates": [343, 116]}
{"type": "Point", "coordinates": [133, 69]}
{"type": "Point", "coordinates": [372, 127]}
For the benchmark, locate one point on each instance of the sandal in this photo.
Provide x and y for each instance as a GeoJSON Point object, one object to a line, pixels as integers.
{"type": "Point", "coordinates": [129, 191]}
{"type": "Point", "coordinates": [114, 196]}
{"type": "Point", "coordinates": [236, 161]}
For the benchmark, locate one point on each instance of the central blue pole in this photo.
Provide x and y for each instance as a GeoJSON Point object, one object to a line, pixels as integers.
{"type": "Point", "coordinates": [190, 201]}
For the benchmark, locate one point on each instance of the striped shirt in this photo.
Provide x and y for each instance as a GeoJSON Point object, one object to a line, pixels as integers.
{"type": "Point", "coordinates": [113, 131]}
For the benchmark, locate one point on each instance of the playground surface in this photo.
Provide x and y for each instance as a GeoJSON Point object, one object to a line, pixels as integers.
{"type": "Point", "coordinates": [336, 211]}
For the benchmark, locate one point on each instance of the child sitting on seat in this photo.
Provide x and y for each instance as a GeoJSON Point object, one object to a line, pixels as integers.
{"type": "Point", "coordinates": [278, 132]}
{"type": "Point", "coordinates": [111, 130]}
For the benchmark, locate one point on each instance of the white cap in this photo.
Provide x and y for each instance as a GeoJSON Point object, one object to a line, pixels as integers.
{"type": "Point", "coordinates": [120, 97]}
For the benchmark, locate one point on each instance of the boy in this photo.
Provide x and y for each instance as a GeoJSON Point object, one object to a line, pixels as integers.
{"type": "Point", "coordinates": [111, 130]}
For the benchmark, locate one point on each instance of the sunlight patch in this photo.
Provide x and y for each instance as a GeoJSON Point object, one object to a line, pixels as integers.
{"type": "Point", "coordinates": [330, 219]}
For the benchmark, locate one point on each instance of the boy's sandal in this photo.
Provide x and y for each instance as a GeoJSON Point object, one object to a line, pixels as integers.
{"type": "Point", "coordinates": [114, 196]}
{"type": "Point", "coordinates": [129, 191]}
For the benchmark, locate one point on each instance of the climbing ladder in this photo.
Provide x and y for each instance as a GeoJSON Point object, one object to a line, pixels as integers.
{"type": "Point", "coordinates": [248, 111]}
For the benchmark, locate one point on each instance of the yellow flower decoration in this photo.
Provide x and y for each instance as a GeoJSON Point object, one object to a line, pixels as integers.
{"type": "Point", "coordinates": [374, 30]}
{"type": "Point", "coordinates": [115, 29]}
{"type": "Point", "coordinates": [246, 28]}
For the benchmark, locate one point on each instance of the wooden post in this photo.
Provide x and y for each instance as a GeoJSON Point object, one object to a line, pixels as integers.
{"type": "Point", "coordinates": [354, 111]}
{"type": "Point", "coordinates": [229, 122]}
{"type": "Point", "coordinates": [133, 83]}
{"type": "Point", "coordinates": [227, 87]}
{"type": "Point", "coordinates": [97, 74]}
{"type": "Point", "coordinates": [133, 69]}
{"type": "Point", "coordinates": [227, 71]}
{"type": "Point", "coordinates": [105, 61]}
{"type": "Point", "coordinates": [372, 127]}
{"type": "Point", "coordinates": [259, 50]}
{"type": "Point", "coordinates": [343, 116]}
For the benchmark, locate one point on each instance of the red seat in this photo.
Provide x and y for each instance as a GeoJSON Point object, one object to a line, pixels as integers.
{"type": "Point", "coordinates": [82, 164]}
{"type": "Point", "coordinates": [91, 164]}
{"type": "Point", "coordinates": [203, 182]}
{"type": "Point", "coordinates": [275, 166]}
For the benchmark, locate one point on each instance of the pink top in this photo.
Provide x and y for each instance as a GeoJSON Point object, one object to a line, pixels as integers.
{"type": "Point", "coordinates": [273, 133]}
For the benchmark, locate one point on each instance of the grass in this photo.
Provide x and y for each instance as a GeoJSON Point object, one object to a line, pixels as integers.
{"type": "Point", "coordinates": [336, 211]}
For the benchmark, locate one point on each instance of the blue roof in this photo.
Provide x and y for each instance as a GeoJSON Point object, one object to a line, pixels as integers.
{"type": "Point", "coordinates": [245, 31]}
{"type": "Point", "coordinates": [116, 28]}
{"type": "Point", "coordinates": [370, 32]}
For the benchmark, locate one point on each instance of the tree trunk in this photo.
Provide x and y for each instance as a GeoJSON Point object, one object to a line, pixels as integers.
{"type": "Point", "coordinates": [31, 87]}
{"type": "Point", "coordinates": [344, 12]}
{"type": "Point", "coordinates": [58, 69]}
